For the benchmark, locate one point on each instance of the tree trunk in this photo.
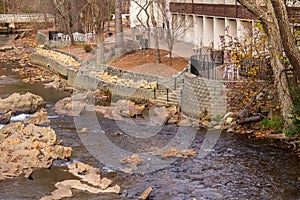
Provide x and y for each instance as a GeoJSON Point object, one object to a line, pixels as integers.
{"type": "Point", "coordinates": [271, 23]}
{"type": "Point", "coordinates": [288, 41]}
{"type": "Point", "coordinates": [154, 24]}
{"type": "Point", "coordinates": [284, 96]}
{"type": "Point", "coordinates": [119, 43]}
{"type": "Point", "coordinates": [100, 58]}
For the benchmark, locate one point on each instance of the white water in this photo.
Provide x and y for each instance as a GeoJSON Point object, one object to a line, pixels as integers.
{"type": "Point", "coordinates": [20, 117]}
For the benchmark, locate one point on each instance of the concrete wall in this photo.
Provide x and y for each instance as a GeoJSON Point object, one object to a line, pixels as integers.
{"type": "Point", "coordinates": [42, 38]}
{"type": "Point", "coordinates": [219, 29]}
{"type": "Point", "coordinates": [45, 61]}
{"type": "Point", "coordinates": [201, 95]}
{"type": "Point", "coordinates": [83, 81]}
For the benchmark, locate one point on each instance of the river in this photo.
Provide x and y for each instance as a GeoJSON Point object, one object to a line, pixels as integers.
{"type": "Point", "coordinates": [237, 167]}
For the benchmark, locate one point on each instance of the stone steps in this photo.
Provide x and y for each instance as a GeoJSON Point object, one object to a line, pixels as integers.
{"type": "Point", "coordinates": [171, 98]}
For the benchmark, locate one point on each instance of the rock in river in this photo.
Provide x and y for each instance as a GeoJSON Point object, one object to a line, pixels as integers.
{"type": "Point", "coordinates": [21, 103]}
{"type": "Point", "coordinates": [5, 118]}
{"type": "Point", "coordinates": [24, 147]}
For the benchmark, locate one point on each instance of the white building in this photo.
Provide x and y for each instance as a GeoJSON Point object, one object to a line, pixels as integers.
{"type": "Point", "coordinates": [206, 20]}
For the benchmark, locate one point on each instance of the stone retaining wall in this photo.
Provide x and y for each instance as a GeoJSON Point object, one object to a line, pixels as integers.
{"type": "Point", "coordinates": [201, 95]}
{"type": "Point", "coordinates": [87, 82]}
{"type": "Point", "coordinates": [53, 64]}
{"type": "Point", "coordinates": [43, 38]}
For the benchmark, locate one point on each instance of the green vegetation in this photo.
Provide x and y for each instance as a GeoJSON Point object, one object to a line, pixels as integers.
{"type": "Point", "coordinates": [294, 129]}
{"type": "Point", "coordinates": [87, 48]}
{"type": "Point", "coordinates": [275, 123]}
{"type": "Point", "coordinates": [1, 7]}
{"type": "Point", "coordinates": [218, 118]}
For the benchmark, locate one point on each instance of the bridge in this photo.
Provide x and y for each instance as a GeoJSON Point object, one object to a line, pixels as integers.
{"type": "Point", "coordinates": [11, 19]}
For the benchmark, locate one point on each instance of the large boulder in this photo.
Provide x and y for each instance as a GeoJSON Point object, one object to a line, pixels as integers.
{"type": "Point", "coordinates": [21, 103]}
{"type": "Point", "coordinates": [24, 147]}
{"type": "Point", "coordinates": [5, 118]}
{"type": "Point", "coordinates": [38, 118]}
{"type": "Point", "coordinates": [71, 106]}
{"type": "Point", "coordinates": [7, 48]}
{"type": "Point", "coordinates": [129, 108]}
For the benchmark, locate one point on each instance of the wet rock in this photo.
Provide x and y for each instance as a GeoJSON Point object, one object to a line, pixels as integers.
{"type": "Point", "coordinates": [5, 118]}
{"type": "Point", "coordinates": [38, 118]}
{"type": "Point", "coordinates": [172, 121]}
{"type": "Point", "coordinates": [205, 123]}
{"type": "Point", "coordinates": [129, 108]}
{"type": "Point", "coordinates": [218, 127]}
{"type": "Point", "coordinates": [281, 136]}
{"type": "Point", "coordinates": [159, 115]}
{"type": "Point", "coordinates": [230, 130]}
{"type": "Point", "coordinates": [83, 130]}
{"type": "Point", "coordinates": [133, 159]}
{"type": "Point", "coordinates": [79, 167]}
{"type": "Point", "coordinates": [87, 174]}
{"type": "Point", "coordinates": [24, 147]}
{"type": "Point", "coordinates": [243, 114]}
{"type": "Point", "coordinates": [213, 123]}
{"type": "Point", "coordinates": [173, 152]}
{"type": "Point", "coordinates": [146, 193]}
{"type": "Point", "coordinates": [102, 97]}
{"type": "Point", "coordinates": [229, 120]}
{"type": "Point", "coordinates": [25, 103]}
{"type": "Point", "coordinates": [62, 191]}
{"type": "Point", "coordinates": [185, 122]}
{"type": "Point", "coordinates": [109, 112]}
{"type": "Point", "coordinates": [6, 48]}
{"type": "Point", "coordinates": [69, 107]}
{"type": "Point", "coordinates": [3, 77]}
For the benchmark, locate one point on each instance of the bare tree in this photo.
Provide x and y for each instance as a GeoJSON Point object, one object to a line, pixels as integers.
{"type": "Point", "coordinates": [154, 24]}
{"type": "Point", "coordinates": [144, 10]}
{"type": "Point", "coordinates": [148, 8]}
{"type": "Point", "coordinates": [95, 15]}
{"type": "Point", "coordinates": [275, 21]}
{"type": "Point", "coordinates": [174, 26]}
{"type": "Point", "coordinates": [14, 6]}
{"type": "Point", "coordinates": [63, 7]}
{"type": "Point", "coordinates": [119, 43]}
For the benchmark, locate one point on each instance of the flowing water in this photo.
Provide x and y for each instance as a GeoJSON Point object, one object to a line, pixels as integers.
{"type": "Point", "coordinates": [236, 168]}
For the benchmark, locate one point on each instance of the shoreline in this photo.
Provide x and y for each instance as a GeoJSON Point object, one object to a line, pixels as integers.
{"type": "Point", "coordinates": [286, 142]}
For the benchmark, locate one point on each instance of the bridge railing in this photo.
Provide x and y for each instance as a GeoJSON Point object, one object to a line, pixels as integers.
{"type": "Point", "coordinates": [25, 15]}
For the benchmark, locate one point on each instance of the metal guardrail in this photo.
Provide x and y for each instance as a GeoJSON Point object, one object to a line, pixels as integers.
{"type": "Point", "coordinates": [205, 68]}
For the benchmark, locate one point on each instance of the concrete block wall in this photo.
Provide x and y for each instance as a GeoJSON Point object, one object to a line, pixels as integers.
{"type": "Point", "coordinates": [201, 95]}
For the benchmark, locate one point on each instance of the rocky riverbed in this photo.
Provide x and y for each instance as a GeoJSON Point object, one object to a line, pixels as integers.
{"type": "Point", "coordinates": [235, 167]}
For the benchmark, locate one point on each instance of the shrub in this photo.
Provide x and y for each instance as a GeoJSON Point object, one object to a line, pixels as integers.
{"type": "Point", "coordinates": [275, 123]}
{"type": "Point", "coordinates": [87, 48]}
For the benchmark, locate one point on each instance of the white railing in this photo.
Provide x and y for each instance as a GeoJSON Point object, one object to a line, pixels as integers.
{"type": "Point", "coordinates": [25, 17]}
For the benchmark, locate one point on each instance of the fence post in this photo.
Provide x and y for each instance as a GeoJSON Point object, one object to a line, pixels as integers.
{"type": "Point", "coordinates": [167, 94]}
{"type": "Point", "coordinates": [175, 79]}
